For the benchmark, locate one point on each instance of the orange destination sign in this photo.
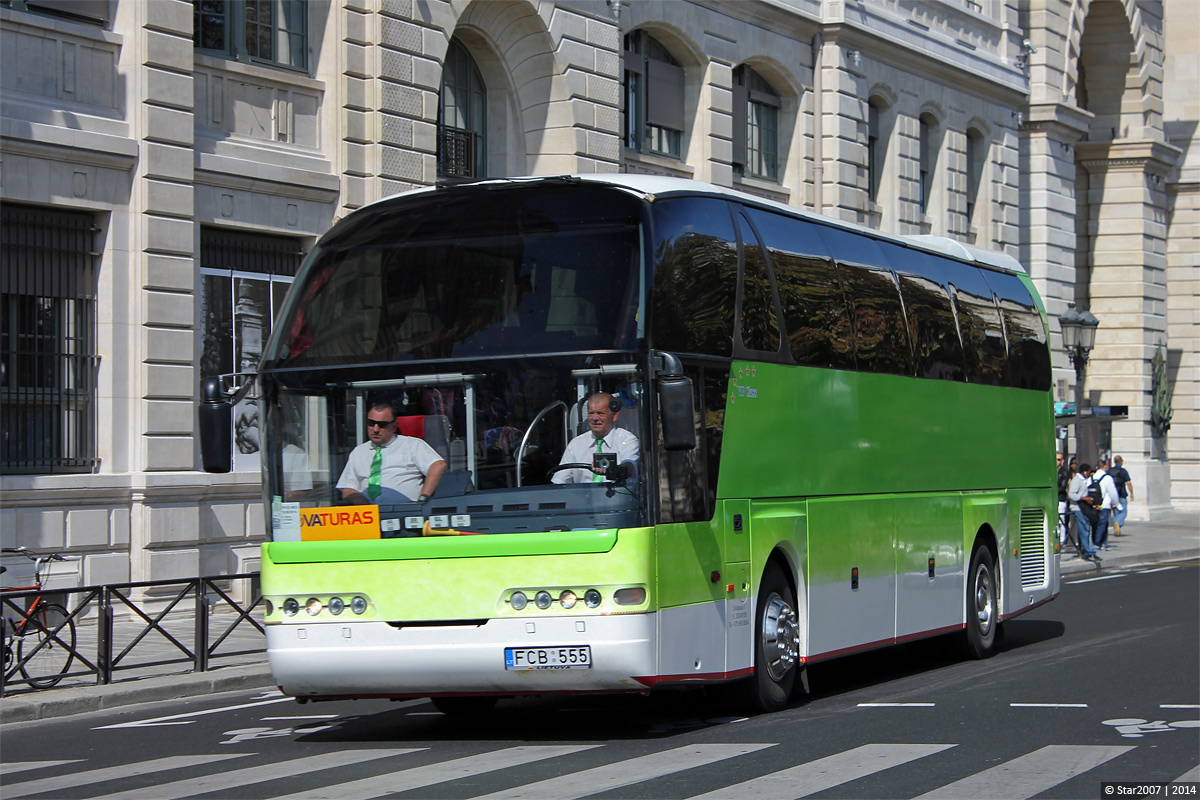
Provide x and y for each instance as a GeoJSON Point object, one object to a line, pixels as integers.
{"type": "Point", "coordinates": [328, 524]}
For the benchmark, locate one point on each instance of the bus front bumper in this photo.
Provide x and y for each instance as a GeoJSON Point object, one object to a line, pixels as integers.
{"type": "Point", "coordinates": [365, 659]}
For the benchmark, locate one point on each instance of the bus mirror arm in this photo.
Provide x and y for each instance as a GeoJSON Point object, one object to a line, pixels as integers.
{"type": "Point", "coordinates": [667, 365]}
{"type": "Point", "coordinates": [216, 427]}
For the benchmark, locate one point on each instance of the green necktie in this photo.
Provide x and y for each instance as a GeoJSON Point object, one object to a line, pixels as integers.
{"type": "Point", "coordinates": [373, 487]}
{"type": "Point", "coordinates": [599, 449]}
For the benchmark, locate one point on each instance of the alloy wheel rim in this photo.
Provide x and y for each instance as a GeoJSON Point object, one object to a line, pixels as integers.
{"type": "Point", "coordinates": [984, 599]}
{"type": "Point", "coordinates": [780, 636]}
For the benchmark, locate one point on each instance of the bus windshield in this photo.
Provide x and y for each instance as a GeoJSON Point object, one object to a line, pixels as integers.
{"type": "Point", "coordinates": [485, 321]}
{"type": "Point", "coordinates": [458, 275]}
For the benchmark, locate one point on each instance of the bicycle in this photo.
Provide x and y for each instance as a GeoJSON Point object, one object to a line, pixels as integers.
{"type": "Point", "coordinates": [44, 633]}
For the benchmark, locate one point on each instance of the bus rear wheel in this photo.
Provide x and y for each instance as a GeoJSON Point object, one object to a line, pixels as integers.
{"type": "Point", "coordinates": [983, 607]}
{"type": "Point", "coordinates": [776, 645]}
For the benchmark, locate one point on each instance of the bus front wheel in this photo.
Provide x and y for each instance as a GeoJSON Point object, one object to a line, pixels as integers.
{"type": "Point", "coordinates": [776, 644]}
{"type": "Point", "coordinates": [983, 608]}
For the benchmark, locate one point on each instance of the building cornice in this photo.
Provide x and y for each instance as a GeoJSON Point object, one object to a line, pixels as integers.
{"type": "Point", "coordinates": [1060, 121]}
{"type": "Point", "coordinates": [1148, 155]}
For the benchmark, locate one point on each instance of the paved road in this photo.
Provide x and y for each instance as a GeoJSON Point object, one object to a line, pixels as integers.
{"type": "Point", "coordinates": [1100, 685]}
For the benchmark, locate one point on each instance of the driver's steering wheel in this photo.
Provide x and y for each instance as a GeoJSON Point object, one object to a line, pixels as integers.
{"type": "Point", "coordinates": [571, 465]}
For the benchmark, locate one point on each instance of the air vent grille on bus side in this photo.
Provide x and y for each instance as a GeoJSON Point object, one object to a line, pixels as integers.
{"type": "Point", "coordinates": [1033, 548]}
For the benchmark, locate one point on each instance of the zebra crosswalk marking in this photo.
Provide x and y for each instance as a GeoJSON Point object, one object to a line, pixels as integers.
{"type": "Point", "coordinates": [441, 772]}
{"type": "Point", "coordinates": [825, 773]}
{"type": "Point", "coordinates": [25, 766]}
{"type": "Point", "coordinates": [624, 773]}
{"type": "Point", "coordinates": [1030, 774]}
{"type": "Point", "coordinates": [76, 779]}
{"type": "Point", "coordinates": [1191, 776]}
{"type": "Point", "coordinates": [221, 781]}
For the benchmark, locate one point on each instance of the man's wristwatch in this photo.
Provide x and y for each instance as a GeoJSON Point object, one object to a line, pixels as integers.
{"type": "Point", "coordinates": [422, 498]}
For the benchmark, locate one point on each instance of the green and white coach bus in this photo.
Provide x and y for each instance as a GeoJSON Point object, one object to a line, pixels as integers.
{"type": "Point", "coordinates": [846, 442]}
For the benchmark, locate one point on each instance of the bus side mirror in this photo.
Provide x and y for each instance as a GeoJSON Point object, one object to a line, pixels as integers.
{"type": "Point", "coordinates": [677, 407]}
{"type": "Point", "coordinates": [216, 427]}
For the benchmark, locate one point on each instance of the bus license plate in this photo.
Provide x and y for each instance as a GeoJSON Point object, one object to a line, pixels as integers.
{"type": "Point", "coordinates": [577, 657]}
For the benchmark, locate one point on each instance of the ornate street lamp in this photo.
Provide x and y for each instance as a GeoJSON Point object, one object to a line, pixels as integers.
{"type": "Point", "coordinates": [1079, 337]}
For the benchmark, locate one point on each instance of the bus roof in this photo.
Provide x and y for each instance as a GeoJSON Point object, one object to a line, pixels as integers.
{"type": "Point", "coordinates": [651, 187]}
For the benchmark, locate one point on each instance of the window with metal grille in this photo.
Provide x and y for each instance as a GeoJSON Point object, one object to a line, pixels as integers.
{"type": "Point", "coordinates": [244, 278]}
{"type": "Point", "coordinates": [462, 117]}
{"type": "Point", "coordinates": [47, 341]}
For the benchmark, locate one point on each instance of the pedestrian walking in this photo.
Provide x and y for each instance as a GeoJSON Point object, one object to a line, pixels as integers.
{"type": "Point", "coordinates": [1083, 511]}
{"type": "Point", "coordinates": [1124, 484]}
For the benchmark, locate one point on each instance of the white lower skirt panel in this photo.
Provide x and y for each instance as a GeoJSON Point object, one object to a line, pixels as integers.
{"type": "Point", "coordinates": [374, 658]}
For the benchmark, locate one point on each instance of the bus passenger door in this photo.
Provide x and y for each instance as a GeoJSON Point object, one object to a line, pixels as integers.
{"type": "Point", "coordinates": [852, 573]}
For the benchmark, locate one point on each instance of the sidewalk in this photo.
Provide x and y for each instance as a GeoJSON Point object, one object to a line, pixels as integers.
{"type": "Point", "coordinates": [1173, 538]}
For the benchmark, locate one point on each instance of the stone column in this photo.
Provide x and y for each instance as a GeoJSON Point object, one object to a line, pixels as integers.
{"type": "Point", "coordinates": [163, 266]}
{"type": "Point", "coordinates": [1048, 211]}
{"type": "Point", "coordinates": [1126, 234]}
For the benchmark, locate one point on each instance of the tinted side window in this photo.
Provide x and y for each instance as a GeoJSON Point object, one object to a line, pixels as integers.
{"type": "Point", "coordinates": [880, 335]}
{"type": "Point", "coordinates": [931, 324]}
{"type": "Point", "coordinates": [931, 321]}
{"type": "Point", "coordinates": [1028, 364]}
{"type": "Point", "coordinates": [759, 324]}
{"type": "Point", "coordinates": [687, 479]}
{"type": "Point", "coordinates": [814, 310]}
{"type": "Point", "coordinates": [854, 248]}
{"type": "Point", "coordinates": [695, 277]}
{"type": "Point", "coordinates": [978, 322]}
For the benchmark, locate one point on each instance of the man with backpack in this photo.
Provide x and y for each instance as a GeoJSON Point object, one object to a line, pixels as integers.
{"type": "Point", "coordinates": [1110, 502]}
{"type": "Point", "coordinates": [1085, 512]}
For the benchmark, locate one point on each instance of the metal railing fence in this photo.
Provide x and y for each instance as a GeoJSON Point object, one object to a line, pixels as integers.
{"type": "Point", "coordinates": [150, 636]}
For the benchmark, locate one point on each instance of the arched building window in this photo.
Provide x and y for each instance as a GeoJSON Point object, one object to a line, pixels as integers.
{"type": "Point", "coordinates": [653, 97]}
{"type": "Point", "coordinates": [462, 117]}
{"type": "Point", "coordinates": [755, 125]}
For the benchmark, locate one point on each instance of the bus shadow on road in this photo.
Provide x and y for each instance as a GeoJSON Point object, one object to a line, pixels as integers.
{"type": "Point", "coordinates": [864, 670]}
{"type": "Point", "coordinates": [666, 713]}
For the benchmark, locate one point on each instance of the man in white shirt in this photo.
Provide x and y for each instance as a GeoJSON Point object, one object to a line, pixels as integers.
{"type": "Point", "coordinates": [603, 438]}
{"type": "Point", "coordinates": [390, 467]}
{"type": "Point", "coordinates": [1112, 502]}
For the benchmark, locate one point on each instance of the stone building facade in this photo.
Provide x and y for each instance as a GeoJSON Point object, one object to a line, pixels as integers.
{"type": "Point", "coordinates": [181, 157]}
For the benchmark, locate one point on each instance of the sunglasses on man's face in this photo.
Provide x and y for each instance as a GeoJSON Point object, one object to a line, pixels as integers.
{"type": "Point", "coordinates": [382, 423]}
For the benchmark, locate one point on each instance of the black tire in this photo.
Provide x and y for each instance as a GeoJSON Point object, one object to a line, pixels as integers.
{"type": "Point", "coordinates": [463, 706]}
{"type": "Point", "coordinates": [49, 656]}
{"type": "Point", "coordinates": [776, 645]}
{"type": "Point", "coordinates": [983, 605]}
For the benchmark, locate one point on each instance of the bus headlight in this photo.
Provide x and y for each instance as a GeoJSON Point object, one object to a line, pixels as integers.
{"type": "Point", "coordinates": [542, 600]}
{"type": "Point", "coordinates": [591, 598]}
{"type": "Point", "coordinates": [290, 607]}
{"type": "Point", "coordinates": [336, 605]}
{"type": "Point", "coordinates": [313, 606]}
{"type": "Point", "coordinates": [567, 599]}
{"type": "Point", "coordinates": [359, 605]}
{"type": "Point", "coordinates": [518, 601]}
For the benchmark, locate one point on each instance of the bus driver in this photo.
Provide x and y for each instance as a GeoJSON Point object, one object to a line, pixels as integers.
{"type": "Point", "coordinates": [602, 438]}
{"type": "Point", "coordinates": [390, 467]}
